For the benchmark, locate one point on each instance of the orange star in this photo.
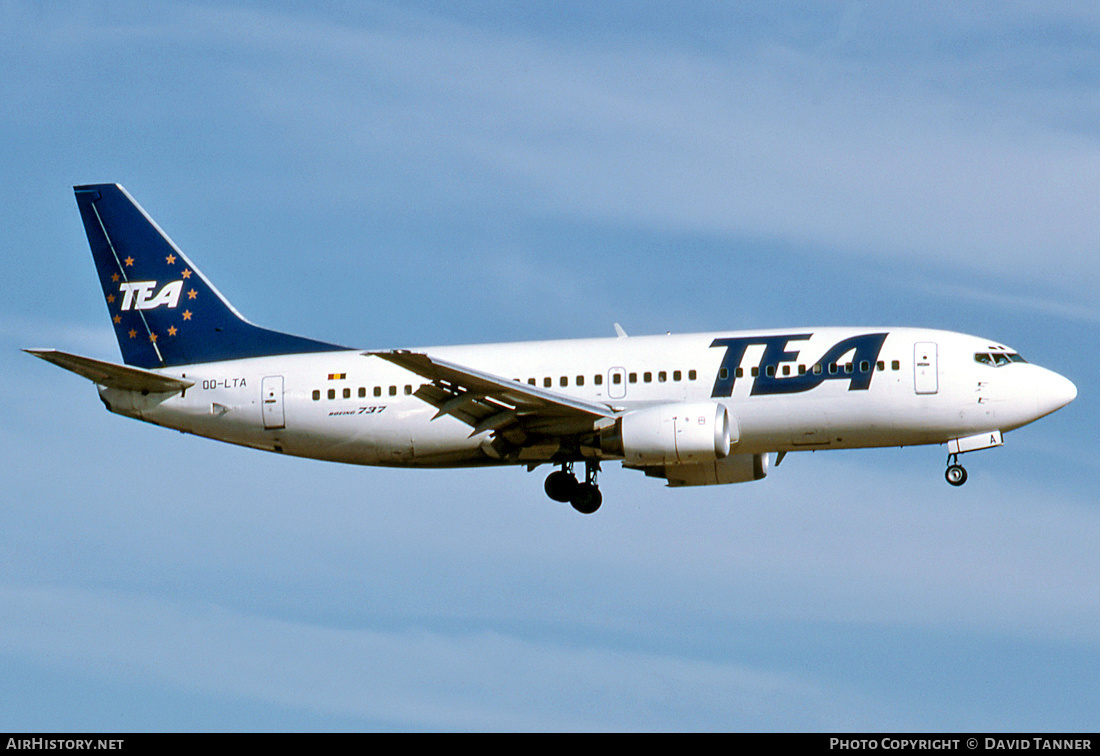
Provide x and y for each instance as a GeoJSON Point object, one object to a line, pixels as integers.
{"type": "Point", "coordinates": [171, 259]}
{"type": "Point", "coordinates": [129, 262]}
{"type": "Point", "coordinates": [118, 319]}
{"type": "Point", "coordinates": [186, 314]}
{"type": "Point", "coordinates": [192, 294]}
{"type": "Point", "coordinates": [152, 337]}
{"type": "Point", "coordinates": [133, 333]}
{"type": "Point", "coordinates": [110, 299]}
{"type": "Point", "coordinates": [114, 278]}
{"type": "Point", "coordinates": [172, 330]}
{"type": "Point", "coordinates": [186, 274]}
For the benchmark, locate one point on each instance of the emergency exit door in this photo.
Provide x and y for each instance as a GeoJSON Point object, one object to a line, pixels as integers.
{"type": "Point", "coordinates": [271, 391]}
{"type": "Point", "coordinates": [926, 371]}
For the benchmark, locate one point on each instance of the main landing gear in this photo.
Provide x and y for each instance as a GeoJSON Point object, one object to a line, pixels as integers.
{"type": "Point", "coordinates": [562, 485]}
{"type": "Point", "coordinates": [956, 473]}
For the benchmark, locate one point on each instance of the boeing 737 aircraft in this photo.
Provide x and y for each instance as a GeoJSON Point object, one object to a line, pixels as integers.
{"type": "Point", "coordinates": [694, 410]}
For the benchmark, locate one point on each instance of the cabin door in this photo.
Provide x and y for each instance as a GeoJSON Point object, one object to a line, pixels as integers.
{"type": "Point", "coordinates": [926, 371]}
{"type": "Point", "coordinates": [271, 394]}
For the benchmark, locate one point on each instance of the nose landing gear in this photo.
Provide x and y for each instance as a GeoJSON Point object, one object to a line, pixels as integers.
{"type": "Point", "coordinates": [562, 485]}
{"type": "Point", "coordinates": [956, 473]}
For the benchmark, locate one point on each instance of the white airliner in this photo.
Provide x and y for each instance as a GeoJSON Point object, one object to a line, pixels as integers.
{"type": "Point", "coordinates": [696, 409]}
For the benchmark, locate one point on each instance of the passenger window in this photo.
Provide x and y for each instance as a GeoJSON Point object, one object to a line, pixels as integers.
{"type": "Point", "coordinates": [580, 380]}
{"type": "Point", "coordinates": [691, 375]}
{"type": "Point", "coordinates": [802, 370]}
{"type": "Point", "coordinates": [880, 365]}
{"type": "Point", "coordinates": [347, 393]}
{"type": "Point", "coordinates": [316, 396]}
{"type": "Point", "coordinates": [895, 365]}
{"type": "Point", "coordinates": [633, 377]}
{"type": "Point", "coordinates": [617, 378]}
{"type": "Point", "coordinates": [755, 372]}
{"type": "Point", "coordinates": [723, 374]}
{"type": "Point", "coordinates": [332, 393]}
{"type": "Point", "coordinates": [362, 391]}
{"type": "Point", "coordinates": [598, 379]}
{"type": "Point", "coordinates": [647, 377]}
{"type": "Point", "coordinates": [847, 367]}
{"type": "Point", "coordinates": [662, 376]}
{"type": "Point", "coordinates": [408, 389]}
{"type": "Point", "coordinates": [864, 366]}
{"type": "Point", "coordinates": [832, 368]}
{"type": "Point", "coordinates": [817, 369]}
{"type": "Point", "coordinates": [676, 375]}
{"type": "Point", "coordinates": [531, 381]}
{"type": "Point", "coordinates": [563, 381]}
{"type": "Point", "coordinates": [547, 382]}
{"type": "Point", "coordinates": [740, 372]}
{"type": "Point", "coordinates": [378, 391]}
{"type": "Point", "coordinates": [393, 390]}
{"type": "Point", "coordinates": [770, 371]}
{"type": "Point", "coordinates": [786, 370]}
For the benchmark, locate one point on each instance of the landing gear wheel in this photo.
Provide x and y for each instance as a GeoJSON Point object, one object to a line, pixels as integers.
{"type": "Point", "coordinates": [561, 486]}
{"type": "Point", "coordinates": [956, 475]}
{"type": "Point", "coordinates": [587, 498]}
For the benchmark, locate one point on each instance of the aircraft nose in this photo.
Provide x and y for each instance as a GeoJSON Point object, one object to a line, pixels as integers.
{"type": "Point", "coordinates": [1055, 392]}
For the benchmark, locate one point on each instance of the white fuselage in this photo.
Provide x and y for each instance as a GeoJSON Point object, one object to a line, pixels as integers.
{"type": "Point", "coordinates": [922, 387]}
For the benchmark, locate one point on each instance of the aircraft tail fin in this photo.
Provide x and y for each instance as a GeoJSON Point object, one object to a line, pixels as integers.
{"type": "Point", "coordinates": [165, 312]}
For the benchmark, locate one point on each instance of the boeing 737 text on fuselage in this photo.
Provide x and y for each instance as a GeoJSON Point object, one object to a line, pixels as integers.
{"type": "Point", "coordinates": [695, 409]}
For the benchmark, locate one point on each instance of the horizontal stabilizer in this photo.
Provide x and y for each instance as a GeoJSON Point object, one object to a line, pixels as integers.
{"type": "Point", "coordinates": [111, 375]}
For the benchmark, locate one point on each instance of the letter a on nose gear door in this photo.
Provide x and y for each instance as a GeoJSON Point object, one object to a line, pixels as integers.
{"type": "Point", "coordinates": [926, 379]}
{"type": "Point", "coordinates": [271, 391]}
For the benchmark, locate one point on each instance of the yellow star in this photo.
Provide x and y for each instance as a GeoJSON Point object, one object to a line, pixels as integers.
{"type": "Point", "coordinates": [152, 337]}
{"type": "Point", "coordinates": [192, 294]}
{"type": "Point", "coordinates": [114, 278]}
{"type": "Point", "coordinates": [172, 330]}
{"type": "Point", "coordinates": [186, 274]}
{"type": "Point", "coordinates": [171, 259]}
{"type": "Point", "coordinates": [129, 262]}
{"type": "Point", "coordinates": [110, 299]}
{"type": "Point", "coordinates": [186, 314]}
{"type": "Point", "coordinates": [133, 333]}
{"type": "Point", "coordinates": [118, 319]}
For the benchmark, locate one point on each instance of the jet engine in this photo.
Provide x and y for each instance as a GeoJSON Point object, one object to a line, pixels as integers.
{"type": "Point", "coordinates": [736, 468]}
{"type": "Point", "coordinates": [671, 434]}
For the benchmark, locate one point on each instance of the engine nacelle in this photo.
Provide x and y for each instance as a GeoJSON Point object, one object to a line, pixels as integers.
{"type": "Point", "coordinates": [737, 468]}
{"type": "Point", "coordinates": [671, 434]}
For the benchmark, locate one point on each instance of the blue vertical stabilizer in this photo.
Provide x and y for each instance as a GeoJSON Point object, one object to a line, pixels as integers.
{"type": "Point", "coordinates": [164, 310]}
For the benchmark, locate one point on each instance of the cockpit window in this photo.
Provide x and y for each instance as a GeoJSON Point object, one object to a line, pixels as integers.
{"type": "Point", "coordinates": [997, 359]}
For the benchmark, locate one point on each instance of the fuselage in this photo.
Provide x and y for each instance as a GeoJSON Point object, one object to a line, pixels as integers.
{"type": "Point", "coordinates": [786, 390]}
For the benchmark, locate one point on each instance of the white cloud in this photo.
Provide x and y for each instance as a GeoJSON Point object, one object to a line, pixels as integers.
{"type": "Point", "coordinates": [881, 157]}
{"type": "Point", "coordinates": [413, 678]}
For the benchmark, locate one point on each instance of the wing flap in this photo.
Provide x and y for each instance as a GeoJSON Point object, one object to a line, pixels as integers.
{"type": "Point", "coordinates": [489, 402]}
{"type": "Point", "coordinates": [111, 375]}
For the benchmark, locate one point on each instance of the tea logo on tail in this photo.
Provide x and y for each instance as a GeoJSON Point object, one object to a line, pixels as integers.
{"type": "Point", "coordinates": [140, 295]}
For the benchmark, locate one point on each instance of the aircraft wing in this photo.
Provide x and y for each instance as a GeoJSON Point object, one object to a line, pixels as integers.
{"type": "Point", "coordinates": [111, 375]}
{"type": "Point", "coordinates": [489, 402]}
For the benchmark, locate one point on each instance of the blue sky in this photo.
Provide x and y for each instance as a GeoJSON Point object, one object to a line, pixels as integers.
{"type": "Point", "coordinates": [394, 174]}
